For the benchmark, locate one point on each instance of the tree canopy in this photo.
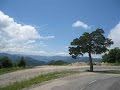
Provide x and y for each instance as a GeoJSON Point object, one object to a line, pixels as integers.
{"type": "Point", "coordinates": [113, 56]}
{"type": "Point", "coordinates": [91, 43]}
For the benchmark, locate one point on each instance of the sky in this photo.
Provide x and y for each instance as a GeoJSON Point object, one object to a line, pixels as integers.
{"type": "Point", "coordinates": [46, 27]}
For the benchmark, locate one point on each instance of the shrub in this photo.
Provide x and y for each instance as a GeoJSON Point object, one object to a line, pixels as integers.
{"type": "Point", "coordinates": [5, 62]}
{"type": "Point", "coordinates": [58, 62]}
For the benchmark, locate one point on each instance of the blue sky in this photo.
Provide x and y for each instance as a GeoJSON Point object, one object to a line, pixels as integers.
{"type": "Point", "coordinates": [57, 23]}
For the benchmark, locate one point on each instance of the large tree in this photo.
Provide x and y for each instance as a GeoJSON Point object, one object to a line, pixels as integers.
{"type": "Point", "coordinates": [91, 43]}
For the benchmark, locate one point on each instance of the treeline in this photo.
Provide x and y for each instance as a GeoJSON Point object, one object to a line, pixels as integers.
{"type": "Point", "coordinates": [113, 56]}
{"type": "Point", "coordinates": [58, 62]}
{"type": "Point", "coordinates": [5, 62]}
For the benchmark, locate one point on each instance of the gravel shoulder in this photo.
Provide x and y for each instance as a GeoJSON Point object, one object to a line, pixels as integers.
{"type": "Point", "coordinates": [9, 78]}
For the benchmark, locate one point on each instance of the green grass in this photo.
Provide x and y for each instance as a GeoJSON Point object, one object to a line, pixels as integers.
{"type": "Point", "coordinates": [39, 79]}
{"type": "Point", "coordinates": [8, 70]}
{"type": "Point", "coordinates": [109, 71]}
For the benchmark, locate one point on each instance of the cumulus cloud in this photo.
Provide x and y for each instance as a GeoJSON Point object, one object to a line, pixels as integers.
{"type": "Point", "coordinates": [114, 35]}
{"type": "Point", "coordinates": [16, 37]}
{"type": "Point", "coordinates": [80, 24]}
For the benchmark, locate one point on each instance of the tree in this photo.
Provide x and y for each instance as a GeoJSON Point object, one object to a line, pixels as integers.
{"type": "Point", "coordinates": [91, 43]}
{"type": "Point", "coordinates": [113, 56]}
{"type": "Point", "coordinates": [5, 62]}
{"type": "Point", "coordinates": [22, 62]}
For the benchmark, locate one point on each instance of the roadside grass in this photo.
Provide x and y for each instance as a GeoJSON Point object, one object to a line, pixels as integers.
{"type": "Point", "coordinates": [109, 72]}
{"type": "Point", "coordinates": [39, 79]}
{"type": "Point", "coordinates": [8, 70]}
{"type": "Point", "coordinates": [110, 64]}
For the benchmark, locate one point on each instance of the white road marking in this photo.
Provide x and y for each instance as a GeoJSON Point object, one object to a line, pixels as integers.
{"type": "Point", "coordinates": [88, 84]}
{"type": "Point", "coordinates": [92, 82]}
{"type": "Point", "coordinates": [82, 88]}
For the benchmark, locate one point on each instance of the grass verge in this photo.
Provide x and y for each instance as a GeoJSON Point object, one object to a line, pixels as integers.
{"type": "Point", "coordinates": [8, 70]}
{"type": "Point", "coordinates": [39, 79]}
{"type": "Point", "coordinates": [110, 64]}
{"type": "Point", "coordinates": [109, 72]}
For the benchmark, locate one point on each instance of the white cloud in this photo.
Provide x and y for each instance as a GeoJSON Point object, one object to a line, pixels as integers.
{"type": "Point", "coordinates": [47, 37]}
{"type": "Point", "coordinates": [80, 24]}
{"type": "Point", "coordinates": [15, 37]}
{"type": "Point", "coordinates": [61, 54]}
{"type": "Point", "coordinates": [114, 35]}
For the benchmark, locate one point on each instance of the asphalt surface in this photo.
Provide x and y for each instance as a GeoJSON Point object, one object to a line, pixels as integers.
{"type": "Point", "coordinates": [85, 81]}
{"type": "Point", "coordinates": [106, 84]}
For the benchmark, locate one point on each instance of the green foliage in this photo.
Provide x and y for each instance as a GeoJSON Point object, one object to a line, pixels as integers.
{"type": "Point", "coordinates": [22, 62]}
{"type": "Point", "coordinates": [94, 43]}
{"type": "Point", "coordinates": [5, 62]}
{"type": "Point", "coordinates": [58, 62]}
{"type": "Point", "coordinates": [91, 43]}
{"type": "Point", "coordinates": [113, 56]}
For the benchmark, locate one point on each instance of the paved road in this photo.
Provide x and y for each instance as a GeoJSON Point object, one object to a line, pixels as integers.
{"type": "Point", "coordinates": [85, 81]}
{"type": "Point", "coordinates": [106, 84]}
{"type": "Point", "coordinates": [9, 78]}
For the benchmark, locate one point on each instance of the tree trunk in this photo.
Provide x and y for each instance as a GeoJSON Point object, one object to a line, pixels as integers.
{"type": "Point", "coordinates": [91, 64]}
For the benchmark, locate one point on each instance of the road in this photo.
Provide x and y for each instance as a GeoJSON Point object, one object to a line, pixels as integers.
{"type": "Point", "coordinates": [9, 78]}
{"type": "Point", "coordinates": [85, 81]}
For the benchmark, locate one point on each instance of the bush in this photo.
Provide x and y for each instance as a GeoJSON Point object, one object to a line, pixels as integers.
{"type": "Point", "coordinates": [0, 64]}
{"type": "Point", "coordinates": [58, 62]}
{"type": "Point", "coordinates": [5, 62]}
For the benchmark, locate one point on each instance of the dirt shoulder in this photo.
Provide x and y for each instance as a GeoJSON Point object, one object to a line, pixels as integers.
{"type": "Point", "coordinates": [9, 78]}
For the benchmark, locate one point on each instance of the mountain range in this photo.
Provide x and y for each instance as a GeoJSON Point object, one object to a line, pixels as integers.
{"type": "Point", "coordinates": [29, 61]}
{"type": "Point", "coordinates": [35, 60]}
{"type": "Point", "coordinates": [68, 59]}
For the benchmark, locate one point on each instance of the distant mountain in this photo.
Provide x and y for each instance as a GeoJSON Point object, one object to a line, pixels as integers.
{"type": "Point", "coordinates": [29, 61]}
{"type": "Point", "coordinates": [32, 62]}
{"type": "Point", "coordinates": [35, 60]}
{"type": "Point", "coordinates": [68, 59]}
